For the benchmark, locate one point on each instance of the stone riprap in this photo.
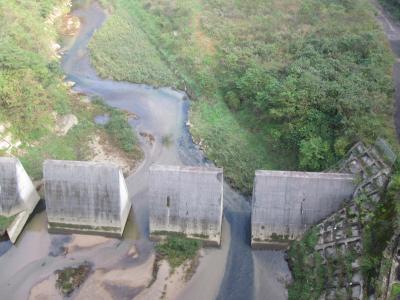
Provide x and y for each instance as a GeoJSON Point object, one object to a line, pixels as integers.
{"type": "Point", "coordinates": [186, 200]}
{"type": "Point", "coordinates": [285, 204]}
{"type": "Point", "coordinates": [18, 196]}
{"type": "Point", "coordinates": [340, 235]}
{"type": "Point", "coordinates": [86, 197]}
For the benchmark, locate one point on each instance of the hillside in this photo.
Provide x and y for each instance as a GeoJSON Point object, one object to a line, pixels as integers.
{"type": "Point", "coordinates": [277, 84]}
{"type": "Point", "coordinates": [34, 99]}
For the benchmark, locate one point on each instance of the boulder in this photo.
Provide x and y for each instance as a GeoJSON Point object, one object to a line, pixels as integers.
{"type": "Point", "coordinates": [65, 123]}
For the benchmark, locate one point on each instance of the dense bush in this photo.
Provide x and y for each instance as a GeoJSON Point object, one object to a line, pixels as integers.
{"type": "Point", "coordinates": [30, 78]}
{"type": "Point", "coordinates": [177, 249]}
{"type": "Point", "coordinates": [378, 231]}
{"type": "Point", "coordinates": [301, 80]}
{"type": "Point", "coordinates": [119, 128]}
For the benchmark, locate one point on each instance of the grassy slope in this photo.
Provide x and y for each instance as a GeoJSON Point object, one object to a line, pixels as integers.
{"type": "Point", "coordinates": [229, 144]}
{"type": "Point", "coordinates": [142, 62]}
{"type": "Point", "coordinates": [30, 79]}
{"type": "Point", "coordinates": [32, 89]}
{"type": "Point", "coordinates": [221, 51]}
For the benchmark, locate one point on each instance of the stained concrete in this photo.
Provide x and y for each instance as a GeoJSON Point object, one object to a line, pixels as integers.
{"type": "Point", "coordinates": [285, 204]}
{"type": "Point", "coordinates": [186, 200]}
{"type": "Point", "coordinates": [17, 191]}
{"type": "Point", "coordinates": [89, 197]}
{"type": "Point", "coordinates": [18, 196]}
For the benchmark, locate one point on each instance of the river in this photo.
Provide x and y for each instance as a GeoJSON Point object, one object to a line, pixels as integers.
{"type": "Point", "coordinates": [232, 272]}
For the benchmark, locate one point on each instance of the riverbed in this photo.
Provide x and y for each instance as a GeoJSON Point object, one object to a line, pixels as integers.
{"type": "Point", "coordinates": [233, 271]}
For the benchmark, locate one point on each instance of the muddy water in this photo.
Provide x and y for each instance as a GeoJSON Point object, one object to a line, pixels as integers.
{"type": "Point", "coordinates": [232, 272]}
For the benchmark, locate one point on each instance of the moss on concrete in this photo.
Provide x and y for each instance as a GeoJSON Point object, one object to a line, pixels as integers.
{"type": "Point", "coordinates": [5, 222]}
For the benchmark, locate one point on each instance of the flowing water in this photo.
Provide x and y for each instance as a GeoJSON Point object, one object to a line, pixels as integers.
{"type": "Point", "coordinates": [232, 272]}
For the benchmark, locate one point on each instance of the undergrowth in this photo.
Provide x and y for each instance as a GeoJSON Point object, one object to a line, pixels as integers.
{"type": "Point", "coordinates": [177, 249]}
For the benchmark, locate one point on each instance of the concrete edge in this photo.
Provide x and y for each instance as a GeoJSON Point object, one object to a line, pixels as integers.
{"type": "Point", "coordinates": [16, 227]}
{"type": "Point", "coordinates": [57, 228]}
{"type": "Point", "coordinates": [206, 242]}
{"type": "Point", "coordinates": [269, 245]}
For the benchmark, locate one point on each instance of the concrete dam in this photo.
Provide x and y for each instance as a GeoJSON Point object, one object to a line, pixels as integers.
{"type": "Point", "coordinates": [231, 272]}
{"type": "Point", "coordinates": [85, 196]}
{"type": "Point", "coordinates": [187, 200]}
{"type": "Point", "coordinates": [92, 197]}
{"type": "Point", "coordinates": [286, 204]}
{"type": "Point", "coordinates": [18, 196]}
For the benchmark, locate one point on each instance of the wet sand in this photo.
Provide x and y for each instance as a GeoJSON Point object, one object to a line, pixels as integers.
{"type": "Point", "coordinates": [123, 268]}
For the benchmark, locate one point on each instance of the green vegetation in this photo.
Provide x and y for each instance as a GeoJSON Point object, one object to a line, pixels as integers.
{"type": "Point", "coordinates": [167, 140]}
{"type": "Point", "coordinates": [379, 227]}
{"type": "Point", "coordinates": [307, 284]}
{"type": "Point", "coordinates": [5, 222]}
{"type": "Point", "coordinates": [395, 292]}
{"type": "Point", "coordinates": [72, 278]}
{"type": "Point", "coordinates": [288, 84]}
{"type": "Point", "coordinates": [392, 6]}
{"type": "Point", "coordinates": [311, 275]}
{"type": "Point", "coordinates": [118, 128]}
{"type": "Point", "coordinates": [120, 40]}
{"type": "Point", "coordinates": [30, 78]}
{"type": "Point", "coordinates": [32, 89]}
{"type": "Point", "coordinates": [73, 146]}
{"type": "Point", "coordinates": [378, 223]}
{"type": "Point", "coordinates": [176, 249]}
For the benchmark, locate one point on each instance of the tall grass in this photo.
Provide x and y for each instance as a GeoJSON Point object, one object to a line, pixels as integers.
{"type": "Point", "coordinates": [277, 84]}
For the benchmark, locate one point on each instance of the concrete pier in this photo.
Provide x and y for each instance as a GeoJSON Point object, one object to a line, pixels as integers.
{"type": "Point", "coordinates": [285, 204]}
{"type": "Point", "coordinates": [18, 196]}
{"type": "Point", "coordinates": [186, 200]}
{"type": "Point", "coordinates": [87, 197]}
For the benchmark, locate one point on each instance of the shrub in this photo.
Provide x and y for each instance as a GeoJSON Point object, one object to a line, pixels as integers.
{"type": "Point", "coordinates": [177, 249]}
{"type": "Point", "coordinates": [119, 128]}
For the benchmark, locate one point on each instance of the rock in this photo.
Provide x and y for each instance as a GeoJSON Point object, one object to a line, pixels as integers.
{"type": "Point", "coordinates": [55, 46]}
{"type": "Point", "coordinates": [65, 123]}
{"type": "Point", "coordinates": [7, 140]}
{"type": "Point", "coordinates": [4, 145]}
{"type": "Point", "coordinates": [69, 83]}
{"type": "Point", "coordinates": [85, 99]}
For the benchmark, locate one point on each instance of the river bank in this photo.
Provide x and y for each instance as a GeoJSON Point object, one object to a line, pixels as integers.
{"type": "Point", "coordinates": [123, 268]}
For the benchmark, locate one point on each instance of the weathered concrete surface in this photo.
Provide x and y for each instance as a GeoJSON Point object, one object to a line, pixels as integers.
{"type": "Point", "coordinates": [18, 196]}
{"type": "Point", "coordinates": [85, 196]}
{"type": "Point", "coordinates": [17, 192]}
{"type": "Point", "coordinates": [285, 204]}
{"type": "Point", "coordinates": [16, 227]}
{"type": "Point", "coordinates": [187, 200]}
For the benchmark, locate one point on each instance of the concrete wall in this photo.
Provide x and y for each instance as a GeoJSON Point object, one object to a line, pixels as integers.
{"type": "Point", "coordinates": [187, 200]}
{"type": "Point", "coordinates": [285, 204]}
{"type": "Point", "coordinates": [17, 192]}
{"type": "Point", "coordinates": [85, 196]}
